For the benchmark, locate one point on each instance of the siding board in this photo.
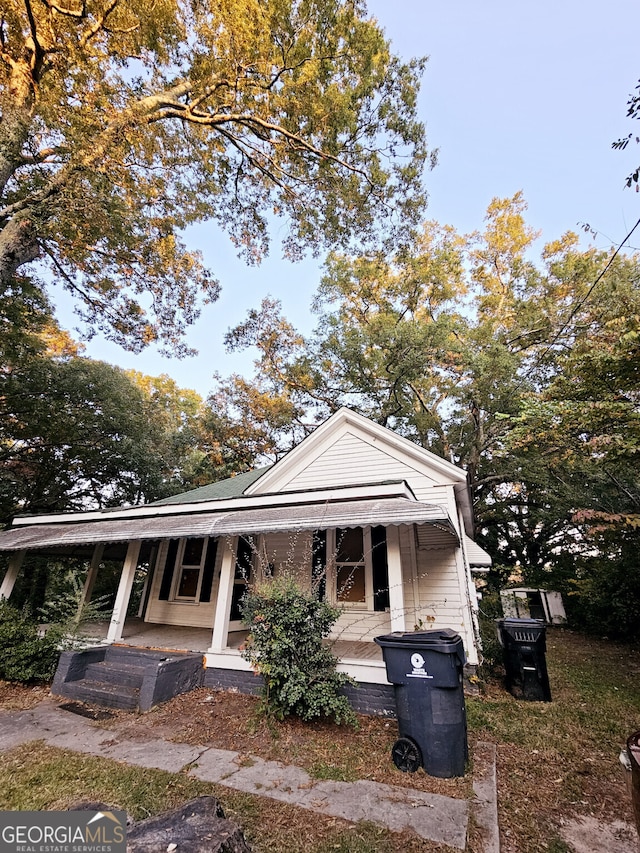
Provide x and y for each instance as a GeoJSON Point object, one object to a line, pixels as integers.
{"type": "Point", "coordinates": [197, 615]}
{"type": "Point", "coordinates": [351, 461]}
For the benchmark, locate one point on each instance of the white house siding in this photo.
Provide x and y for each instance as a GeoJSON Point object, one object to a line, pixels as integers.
{"type": "Point", "coordinates": [409, 575]}
{"type": "Point", "coordinates": [351, 460]}
{"type": "Point", "coordinates": [361, 625]}
{"type": "Point", "coordinates": [196, 615]}
{"type": "Point", "coordinates": [288, 553]}
{"type": "Point", "coordinates": [442, 598]}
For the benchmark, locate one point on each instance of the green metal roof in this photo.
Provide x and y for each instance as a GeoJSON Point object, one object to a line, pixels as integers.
{"type": "Point", "coordinates": [232, 487]}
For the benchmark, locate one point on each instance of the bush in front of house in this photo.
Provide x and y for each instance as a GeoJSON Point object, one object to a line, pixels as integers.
{"type": "Point", "coordinates": [285, 645]}
{"type": "Point", "coordinates": [25, 655]}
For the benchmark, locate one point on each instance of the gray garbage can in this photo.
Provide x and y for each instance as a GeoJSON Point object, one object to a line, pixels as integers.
{"type": "Point", "coordinates": [426, 670]}
{"type": "Point", "coordinates": [524, 647]}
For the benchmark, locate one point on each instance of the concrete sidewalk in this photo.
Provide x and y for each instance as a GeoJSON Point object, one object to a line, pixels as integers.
{"type": "Point", "coordinates": [431, 816]}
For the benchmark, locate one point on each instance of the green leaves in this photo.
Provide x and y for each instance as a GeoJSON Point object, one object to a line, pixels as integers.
{"type": "Point", "coordinates": [79, 434]}
{"type": "Point", "coordinates": [153, 116]}
{"type": "Point", "coordinates": [517, 368]}
{"type": "Point", "coordinates": [26, 656]}
{"type": "Point", "coordinates": [285, 645]}
{"type": "Point", "coordinates": [633, 111]}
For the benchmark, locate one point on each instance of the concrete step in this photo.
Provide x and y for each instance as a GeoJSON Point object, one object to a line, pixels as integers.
{"type": "Point", "coordinates": [115, 672]}
{"type": "Point", "coordinates": [125, 677]}
{"type": "Point", "coordinates": [136, 657]}
{"type": "Point", "coordinates": [106, 695]}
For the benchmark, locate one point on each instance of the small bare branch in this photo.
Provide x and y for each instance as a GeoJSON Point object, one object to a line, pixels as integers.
{"type": "Point", "coordinates": [95, 28]}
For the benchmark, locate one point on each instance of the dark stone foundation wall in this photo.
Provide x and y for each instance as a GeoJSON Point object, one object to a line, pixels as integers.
{"type": "Point", "coordinates": [375, 699]}
{"type": "Point", "coordinates": [230, 679]}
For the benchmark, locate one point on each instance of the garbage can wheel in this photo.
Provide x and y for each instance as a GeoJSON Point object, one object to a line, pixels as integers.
{"type": "Point", "coordinates": [406, 755]}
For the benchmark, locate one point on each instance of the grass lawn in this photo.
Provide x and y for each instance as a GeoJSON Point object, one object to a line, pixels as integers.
{"type": "Point", "coordinates": [556, 761]}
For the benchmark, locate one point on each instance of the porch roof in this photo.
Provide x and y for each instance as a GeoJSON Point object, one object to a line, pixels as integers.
{"type": "Point", "coordinates": [275, 519]}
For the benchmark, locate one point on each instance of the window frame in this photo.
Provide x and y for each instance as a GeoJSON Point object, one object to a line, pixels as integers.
{"type": "Point", "coordinates": [333, 565]}
{"type": "Point", "coordinates": [180, 566]}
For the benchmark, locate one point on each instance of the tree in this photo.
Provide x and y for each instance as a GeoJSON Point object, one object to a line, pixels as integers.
{"type": "Point", "coordinates": [633, 111]}
{"type": "Point", "coordinates": [125, 122]}
{"type": "Point", "coordinates": [74, 434]}
{"type": "Point", "coordinates": [266, 416]}
{"type": "Point", "coordinates": [518, 369]}
{"type": "Point", "coordinates": [583, 429]}
{"type": "Point", "coordinates": [176, 431]}
{"type": "Point", "coordinates": [383, 323]}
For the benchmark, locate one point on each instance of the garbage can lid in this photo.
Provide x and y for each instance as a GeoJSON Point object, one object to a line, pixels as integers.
{"type": "Point", "coordinates": [442, 638]}
{"type": "Point", "coordinates": [526, 631]}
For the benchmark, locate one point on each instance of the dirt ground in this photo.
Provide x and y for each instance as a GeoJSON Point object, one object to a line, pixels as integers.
{"type": "Point", "coordinates": [229, 720]}
{"type": "Point", "coordinates": [561, 787]}
{"type": "Point", "coordinates": [16, 697]}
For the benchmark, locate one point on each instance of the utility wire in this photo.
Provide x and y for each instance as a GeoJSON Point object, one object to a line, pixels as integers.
{"type": "Point", "coordinates": [579, 304]}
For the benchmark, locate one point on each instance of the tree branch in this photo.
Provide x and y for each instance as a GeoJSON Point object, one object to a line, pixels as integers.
{"type": "Point", "coordinates": [71, 13]}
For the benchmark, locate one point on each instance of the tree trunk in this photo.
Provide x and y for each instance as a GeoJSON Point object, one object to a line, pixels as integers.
{"type": "Point", "coordinates": [16, 107]}
{"type": "Point", "coordinates": [18, 246]}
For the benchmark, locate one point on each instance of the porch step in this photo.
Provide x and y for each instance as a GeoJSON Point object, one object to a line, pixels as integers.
{"type": "Point", "coordinates": [126, 678]}
{"type": "Point", "coordinates": [106, 695]}
{"type": "Point", "coordinates": [115, 672]}
{"type": "Point", "coordinates": [137, 657]}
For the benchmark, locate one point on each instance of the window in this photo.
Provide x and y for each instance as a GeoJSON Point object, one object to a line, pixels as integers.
{"type": "Point", "coordinates": [241, 577]}
{"type": "Point", "coordinates": [189, 570]}
{"type": "Point", "coordinates": [349, 567]}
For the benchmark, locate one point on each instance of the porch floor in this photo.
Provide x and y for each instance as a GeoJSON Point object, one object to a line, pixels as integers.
{"type": "Point", "coordinates": [150, 635]}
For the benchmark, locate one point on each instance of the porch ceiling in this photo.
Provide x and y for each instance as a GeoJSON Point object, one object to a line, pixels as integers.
{"type": "Point", "coordinates": [277, 519]}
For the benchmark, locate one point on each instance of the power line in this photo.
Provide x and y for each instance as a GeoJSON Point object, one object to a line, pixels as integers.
{"type": "Point", "coordinates": [579, 304]}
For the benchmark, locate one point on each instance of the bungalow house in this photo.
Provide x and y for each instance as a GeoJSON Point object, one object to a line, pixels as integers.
{"type": "Point", "coordinates": [380, 525]}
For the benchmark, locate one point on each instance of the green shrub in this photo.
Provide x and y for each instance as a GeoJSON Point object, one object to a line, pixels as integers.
{"type": "Point", "coordinates": [287, 626]}
{"type": "Point", "coordinates": [25, 656]}
{"type": "Point", "coordinates": [67, 616]}
{"type": "Point", "coordinates": [605, 599]}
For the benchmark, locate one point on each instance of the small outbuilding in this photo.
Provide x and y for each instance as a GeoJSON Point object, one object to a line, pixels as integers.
{"type": "Point", "coordinates": [528, 603]}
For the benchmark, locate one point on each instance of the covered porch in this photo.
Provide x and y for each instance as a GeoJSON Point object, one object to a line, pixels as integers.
{"type": "Point", "coordinates": [362, 656]}
{"type": "Point", "coordinates": [145, 635]}
{"type": "Point", "coordinates": [195, 576]}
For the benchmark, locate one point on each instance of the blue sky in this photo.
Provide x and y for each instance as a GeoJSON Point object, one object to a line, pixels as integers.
{"type": "Point", "coordinates": [516, 96]}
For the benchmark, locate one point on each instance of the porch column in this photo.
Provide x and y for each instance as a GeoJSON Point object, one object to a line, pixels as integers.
{"type": "Point", "coordinates": [225, 593]}
{"type": "Point", "coordinates": [396, 586]}
{"type": "Point", "coordinates": [89, 583]}
{"type": "Point", "coordinates": [472, 640]}
{"type": "Point", "coordinates": [124, 593]}
{"type": "Point", "coordinates": [15, 564]}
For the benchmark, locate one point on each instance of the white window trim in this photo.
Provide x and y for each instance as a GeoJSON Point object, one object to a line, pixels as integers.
{"type": "Point", "coordinates": [332, 572]}
{"type": "Point", "coordinates": [179, 566]}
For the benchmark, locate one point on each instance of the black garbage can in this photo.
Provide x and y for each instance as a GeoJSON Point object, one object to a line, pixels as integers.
{"type": "Point", "coordinates": [426, 669]}
{"type": "Point", "coordinates": [524, 647]}
{"type": "Point", "coordinates": [633, 754]}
